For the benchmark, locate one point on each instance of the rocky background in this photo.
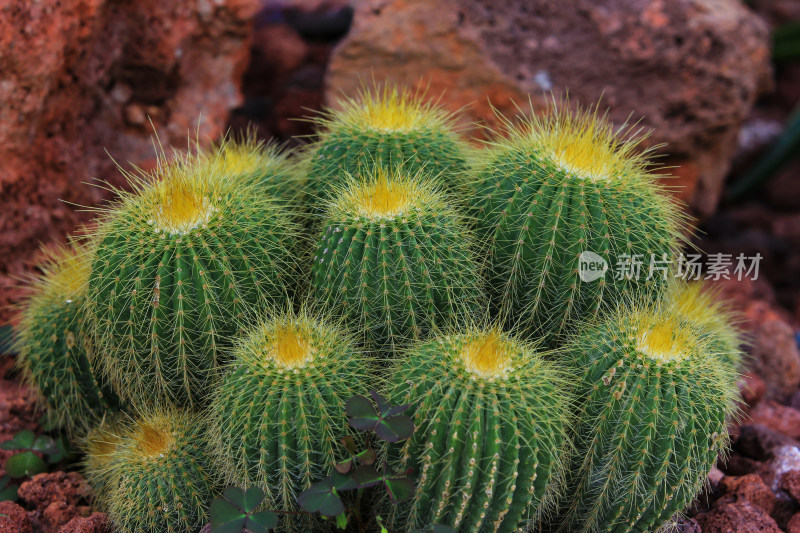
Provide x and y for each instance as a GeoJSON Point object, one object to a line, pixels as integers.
{"type": "Point", "coordinates": [86, 82]}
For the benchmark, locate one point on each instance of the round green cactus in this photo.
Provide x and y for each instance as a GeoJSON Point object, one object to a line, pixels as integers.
{"type": "Point", "coordinates": [100, 446]}
{"type": "Point", "coordinates": [387, 128]}
{"type": "Point", "coordinates": [395, 260]}
{"type": "Point", "coordinates": [279, 412]}
{"type": "Point", "coordinates": [156, 474]}
{"type": "Point", "coordinates": [491, 419]}
{"type": "Point", "coordinates": [557, 188]}
{"type": "Point", "coordinates": [700, 306]}
{"type": "Point", "coordinates": [180, 265]}
{"type": "Point", "coordinates": [54, 346]}
{"type": "Point", "coordinates": [651, 421]}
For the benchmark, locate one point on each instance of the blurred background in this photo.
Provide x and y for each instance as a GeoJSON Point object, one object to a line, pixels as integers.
{"type": "Point", "coordinates": [717, 81]}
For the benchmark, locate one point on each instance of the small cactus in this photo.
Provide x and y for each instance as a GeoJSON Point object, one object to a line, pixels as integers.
{"type": "Point", "coordinates": [157, 478]}
{"type": "Point", "coordinates": [386, 128]}
{"type": "Point", "coordinates": [255, 161]}
{"type": "Point", "coordinates": [557, 187]}
{"type": "Point", "coordinates": [54, 346]}
{"type": "Point", "coordinates": [279, 412]}
{"type": "Point", "coordinates": [100, 446]}
{"type": "Point", "coordinates": [651, 420]}
{"type": "Point", "coordinates": [181, 264]}
{"type": "Point", "coordinates": [490, 415]}
{"type": "Point", "coordinates": [395, 260]}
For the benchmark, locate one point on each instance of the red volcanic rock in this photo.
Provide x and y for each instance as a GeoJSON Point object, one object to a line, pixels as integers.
{"type": "Point", "coordinates": [794, 524]}
{"type": "Point", "coordinates": [81, 77]}
{"type": "Point", "coordinates": [13, 518]}
{"type": "Point", "coordinates": [790, 482]}
{"type": "Point", "coordinates": [779, 417]}
{"type": "Point", "coordinates": [752, 388]}
{"type": "Point", "coordinates": [751, 488]}
{"type": "Point", "coordinates": [773, 349]}
{"type": "Point", "coordinates": [43, 489]}
{"type": "Point", "coordinates": [97, 523]}
{"type": "Point", "coordinates": [738, 517]}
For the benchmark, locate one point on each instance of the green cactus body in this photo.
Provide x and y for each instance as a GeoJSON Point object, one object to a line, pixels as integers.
{"type": "Point", "coordinates": [651, 422]}
{"type": "Point", "coordinates": [701, 307]}
{"type": "Point", "coordinates": [394, 260]}
{"type": "Point", "coordinates": [54, 347]}
{"type": "Point", "coordinates": [159, 478]}
{"type": "Point", "coordinates": [389, 129]}
{"type": "Point", "coordinates": [490, 416]}
{"type": "Point", "coordinates": [279, 412]}
{"type": "Point", "coordinates": [181, 264]}
{"type": "Point", "coordinates": [557, 187]}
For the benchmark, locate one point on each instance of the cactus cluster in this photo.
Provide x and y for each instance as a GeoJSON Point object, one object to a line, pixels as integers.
{"type": "Point", "coordinates": [577, 405]}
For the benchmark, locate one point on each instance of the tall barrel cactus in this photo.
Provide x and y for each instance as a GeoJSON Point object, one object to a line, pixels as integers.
{"type": "Point", "coordinates": [386, 128]}
{"type": "Point", "coordinates": [54, 344]}
{"type": "Point", "coordinates": [181, 263]}
{"type": "Point", "coordinates": [559, 191]}
{"type": "Point", "coordinates": [490, 415]}
{"type": "Point", "coordinates": [651, 421]}
{"type": "Point", "coordinates": [394, 259]}
{"type": "Point", "coordinates": [279, 412]}
{"type": "Point", "coordinates": [158, 475]}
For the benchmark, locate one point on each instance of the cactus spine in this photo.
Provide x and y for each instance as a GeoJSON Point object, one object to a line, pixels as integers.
{"type": "Point", "coordinates": [394, 259]}
{"type": "Point", "coordinates": [157, 479]}
{"type": "Point", "coordinates": [490, 415]}
{"type": "Point", "coordinates": [100, 446]}
{"type": "Point", "coordinates": [557, 187]}
{"type": "Point", "coordinates": [651, 420]}
{"type": "Point", "coordinates": [182, 262]}
{"type": "Point", "coordinates": [280, 410]}
{"type": "Point", "coordinates": [54, 347]}
{"type": "Point", "coordinates": [386, 128]}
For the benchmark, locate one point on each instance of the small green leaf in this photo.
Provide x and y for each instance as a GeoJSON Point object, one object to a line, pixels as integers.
{"type": "Point", "coordinates": [21, 441]}
{"type": "Point", "coordinates": [361, 413]}
{"type": "Point", "coordinates": [321, 498]}
{"type": "Point", "coordinates": [9, 493]}
{"type": "Point", "coordinates": [367, 457]}
{"type": "Point", "coordinates": [395, 428]}
{"type": "Point", "coordinates": [341, 521]}
{"type": "Point", "coordinates": [262, 522]}
{"type": "Point", "coordinates": [400, 489]}
{"type": "Point", "coordinates": [61, 452]}
{"type": "Point", "coordinates": [44, 444]}
{"type": "Point", "coordinates": [25, 464]}
{"type": "Point", "coordinates": [252, 499]}
{"type": "Point", "coordinates": [225, 517]}
{"type": "Point", "coordinates": [235, 495]}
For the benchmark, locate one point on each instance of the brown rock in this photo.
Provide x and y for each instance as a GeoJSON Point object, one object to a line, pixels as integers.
{"type": "Point", "coordinates": [759, 442]}
{"type": "Point", "coordinates": [63, 487]}
{"type": "Point", "coordinates": [57, 514]}
{"type": "Point", "coordinates": [773, 348]}
{"type": "Point", "coordinates": [739, 517]}
{"type": "Point", "coordinates": [794, 524]}
{"type": "Point", "coordinates": [751, 488]}
{"type": "Point", "coordinates": [13, 518]}
{"type": "Point", "coordinates": [81, 77]}
{"type": "Point", "coordinates": [790, 482]}
{"type": "Point", "coordinates": [778, 417]}
{"type": "Point", "coordinates": [97, 523]}
{"type": "Point", "coordinates": [691, 69]}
